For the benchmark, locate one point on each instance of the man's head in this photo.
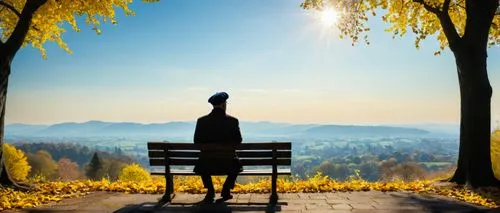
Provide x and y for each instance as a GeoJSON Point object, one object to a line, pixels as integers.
{"type": "Point", "coordinates": [218, 100]}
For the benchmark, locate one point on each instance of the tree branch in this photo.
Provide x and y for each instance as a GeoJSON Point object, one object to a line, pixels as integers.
{"type": "Point", "coordinates": [448, 27]}
{"type": "Point", "coordinates": [444, 18]}
{"type": "Point", "coordinates": [16, 39]}
{"type": "Point", "coordinates": [446, 6]}
{"type": "Point", "coordinates": [14, 10]}
{"type": "Point", "coordinates": [429, 8]}
{"type": "Point", "coordinates": [11, 8]}
{"type": "Point", "coordinates": [458, 4]}
{"type": "Point", "coordinates": [497, 12]}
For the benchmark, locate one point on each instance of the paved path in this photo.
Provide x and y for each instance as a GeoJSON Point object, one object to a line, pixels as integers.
{"type": "Point", "coordinates": [372, 202]}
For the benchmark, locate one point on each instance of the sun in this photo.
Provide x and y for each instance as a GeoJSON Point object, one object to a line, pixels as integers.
{"type": "Point", "coordinates": [328, 17]}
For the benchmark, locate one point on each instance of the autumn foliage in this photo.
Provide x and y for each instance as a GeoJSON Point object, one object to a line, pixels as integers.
{"type": "Point", "coordinates": [68, 170]}
{"type": "Point", "coordinates": [16, 162]}
{"type": "Point", "coordinates": [402, 17]}
{"type": "Point", "coordinates": [495, 152]}
{"type": "Point", "coordinates": [134, 173]}
{"type": "Point", "coordinates": [50, 21]}
{"type": "Point", "coordinates": [43, 165]}
{"type": "Point", "coordinates": [135, 179]}
{"type": "Point", "coordinates": [55, 191]}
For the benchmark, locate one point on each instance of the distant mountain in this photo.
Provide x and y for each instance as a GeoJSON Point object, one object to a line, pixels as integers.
{"type": "Point", "coordinates": [265, 128]}
{"type": "Point", "coordinates": [23, 129]}
{"type": "Point", "coordinates": [362, 131]}
{"type": "Point", "coordinates": [449, 129]}
{"type": "Point", "coordinates": [185, 129]}
{"type": "Point", "coordinates": [100, 128]}
{"type": "Point", "coordinates": [72, 128]}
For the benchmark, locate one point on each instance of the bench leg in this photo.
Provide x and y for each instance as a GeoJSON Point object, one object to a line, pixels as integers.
{"type": "Point", "coordinates": [274, 194]}
{"type": "Point", "coordinates": [168, 196]}
{"type": "Point", "coordinates": [170, 184]}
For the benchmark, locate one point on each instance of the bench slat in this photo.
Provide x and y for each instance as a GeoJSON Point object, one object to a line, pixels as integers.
{"type": "Point", "coordinates": [245, 172]}
{"type": "Point", "coordinates": [243, 146]}
{"type": "Point", "coordinates": [244, 162]}
{"type": "Point", "coordinates": [242, 154]}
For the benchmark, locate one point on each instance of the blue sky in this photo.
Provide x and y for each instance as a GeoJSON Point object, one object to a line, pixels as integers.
{"type": "Point", "coordinates": [275, 61]}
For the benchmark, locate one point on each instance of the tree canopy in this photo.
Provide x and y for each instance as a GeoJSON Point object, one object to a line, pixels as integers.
{"type": "Point", "coordinates": [50, 21]}
{"type": "Point", "coordinates": [42, 165]}
{"type": "Point", "coordinates": [94, 169]}
{"type": "Point", "coordinates": [422, 17]}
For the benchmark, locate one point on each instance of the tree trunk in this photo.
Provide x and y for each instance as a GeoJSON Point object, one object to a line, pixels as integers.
{"type": "Point", "coordinates": [7, 52]}
{"type": "Point", "coordinates": [5, 62]}
{"type": "Point", "coordinates": [5, 179]}
{"type": "Point", "coordinates": [474, 165]}
{"type": "Point", "coordinates": [474, 161]}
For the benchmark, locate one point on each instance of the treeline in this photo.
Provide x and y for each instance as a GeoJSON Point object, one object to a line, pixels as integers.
{"type": "Point", "coordinates": [63, 161]}
{"type": "Point", "coordinates": [373, 162]}
{"type": "Point", "coordinates": [76, 152]}
{"type": "Point", "coordinates": [371, 168]}
{"type": "Point", "coordinates": [376, 159]}
{"type": "Point", "coordinates": [386, 170]}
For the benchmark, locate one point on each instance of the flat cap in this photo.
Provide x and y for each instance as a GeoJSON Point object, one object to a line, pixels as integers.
{"type": "Point", "coordinates": [218, 98]}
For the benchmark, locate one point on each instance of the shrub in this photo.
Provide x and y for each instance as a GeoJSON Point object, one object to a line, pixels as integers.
{"type": "Point", "coordinates": [16, 162]}
{"type": "Point", "coordinates": [134, 172]}
{"type": "Point", "coordinates": [495, 152]}
{"type": "Point", "coordinates": [42, 164]}
{"type": "Point", "coordinates": [68, 170]}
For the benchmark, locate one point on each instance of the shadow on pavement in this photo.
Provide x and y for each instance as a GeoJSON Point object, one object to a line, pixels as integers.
{"type": "Point", "coordinates": [199, 208]}
{"type": "Point", "coordinates": [433, 204]}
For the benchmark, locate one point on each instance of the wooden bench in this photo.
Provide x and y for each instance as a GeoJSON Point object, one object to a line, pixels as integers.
{"type": "Point", "coordinates": [271, 155]}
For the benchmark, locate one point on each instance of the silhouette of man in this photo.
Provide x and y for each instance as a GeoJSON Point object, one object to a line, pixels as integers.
{"type": "Point", "coordinates": [218, 128]}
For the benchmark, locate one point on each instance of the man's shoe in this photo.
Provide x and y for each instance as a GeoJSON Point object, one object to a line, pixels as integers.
{"type": "Point", "coordinates": [209, 198]}
{"type": "Point", "coordinates": [227, 196]}
{"type": "Point", "coordinates": [224, 197]}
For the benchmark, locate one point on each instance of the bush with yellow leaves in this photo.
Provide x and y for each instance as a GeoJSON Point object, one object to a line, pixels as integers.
{"type": "Point", "coordinates": [134, 173]}
{"type": "Point", "coordinates": [495, 152]}
{"type": "Point", "coordinates": [16, 162]}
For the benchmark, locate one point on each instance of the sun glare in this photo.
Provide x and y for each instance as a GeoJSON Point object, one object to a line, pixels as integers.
{"type": "Point", "coordinates": [328, 17]}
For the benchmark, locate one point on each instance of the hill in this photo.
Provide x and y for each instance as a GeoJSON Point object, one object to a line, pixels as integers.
{"type": "Point", "coordinates": [186, 129]}
{"type": "Point", "coordinates": [362, 131]}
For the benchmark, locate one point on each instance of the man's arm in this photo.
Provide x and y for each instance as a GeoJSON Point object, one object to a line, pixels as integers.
{"type": "Point", "coordinates": [198, 132]}
{"type": "Point", "coordinates": [237, 132]}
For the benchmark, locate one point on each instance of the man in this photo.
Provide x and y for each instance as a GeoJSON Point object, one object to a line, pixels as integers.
{"type": "Point", "coordinates": [218, 128]}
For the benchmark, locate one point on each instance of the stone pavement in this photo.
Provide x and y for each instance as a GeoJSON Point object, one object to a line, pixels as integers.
{"type": "Point", "coordinates": [371, 201]}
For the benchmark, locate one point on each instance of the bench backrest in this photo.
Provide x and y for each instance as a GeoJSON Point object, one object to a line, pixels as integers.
{"type": "Point", "coordinates": [250, 154]}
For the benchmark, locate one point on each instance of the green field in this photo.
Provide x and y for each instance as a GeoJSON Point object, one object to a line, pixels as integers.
{"type": "Point", "coordinates": [428, 164]}
{"type": "Point", "coordinates": [305, 157]}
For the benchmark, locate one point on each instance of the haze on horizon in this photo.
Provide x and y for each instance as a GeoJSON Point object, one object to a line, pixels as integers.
{"type": "Point", "coordinates": [274, 60]}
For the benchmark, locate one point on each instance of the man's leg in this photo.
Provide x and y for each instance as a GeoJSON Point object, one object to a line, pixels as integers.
{"type": "Point", "coordinates": [207, 183]}
{"type": "Point", "coordinates": [228, 185]}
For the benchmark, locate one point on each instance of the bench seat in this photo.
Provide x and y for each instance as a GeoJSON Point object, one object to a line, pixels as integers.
{"type": "Point", "coordinates": [253, 172]}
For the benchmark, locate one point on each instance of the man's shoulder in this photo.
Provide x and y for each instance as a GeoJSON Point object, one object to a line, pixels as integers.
{"type": "Point", "coordinates": [204, 117]}
{"type": "Point", "coordinates": [211, 117]}
{"type": "Point", "coordinates": [231, 118]}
